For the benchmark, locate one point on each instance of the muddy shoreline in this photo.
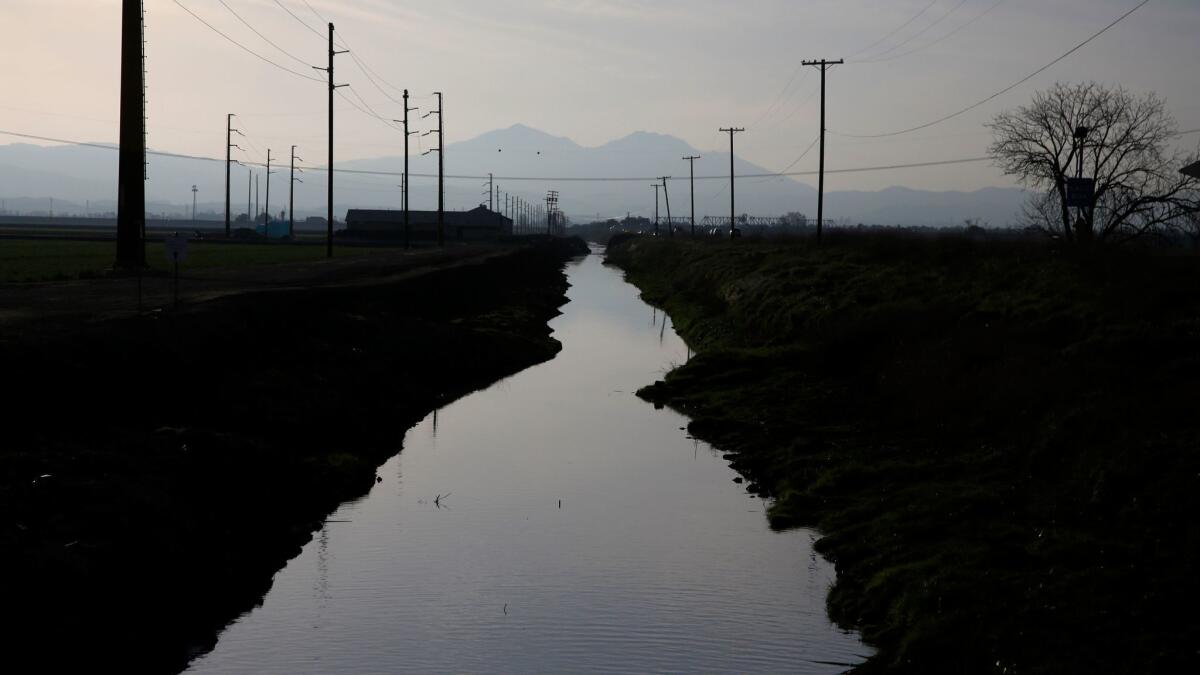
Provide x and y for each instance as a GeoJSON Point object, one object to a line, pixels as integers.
{"type": "Point", "coordinates": [157, 470]}
{"type": "Point", "coordinates": [994, 440]}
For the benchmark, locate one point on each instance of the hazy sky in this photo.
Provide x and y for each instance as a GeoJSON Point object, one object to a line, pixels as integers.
{"type": "Point", "coordinates": [596, 70]}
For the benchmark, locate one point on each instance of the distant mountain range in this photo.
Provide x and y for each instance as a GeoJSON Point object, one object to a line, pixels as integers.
{"type": "Point", "coordinates": [80, 178]}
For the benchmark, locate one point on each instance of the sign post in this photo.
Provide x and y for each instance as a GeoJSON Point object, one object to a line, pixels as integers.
{"type": "Point", "coordinates": [177, 247]}
{"type": "Point", "coordinates": [1081, 192]}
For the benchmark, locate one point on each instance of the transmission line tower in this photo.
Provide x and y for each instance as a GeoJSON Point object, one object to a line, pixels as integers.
{"type": "Point", "coordinates": [823, 65]}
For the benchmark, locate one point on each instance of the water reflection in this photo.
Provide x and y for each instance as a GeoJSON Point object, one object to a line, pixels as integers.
{"type": "Point", "coordinates": [578, 538]}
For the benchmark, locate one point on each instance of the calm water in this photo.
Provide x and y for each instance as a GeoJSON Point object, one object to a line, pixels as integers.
{"type": "Point", "coordinates": [656, 560]}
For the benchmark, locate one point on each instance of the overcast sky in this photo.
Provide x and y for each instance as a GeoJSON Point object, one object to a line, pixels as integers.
{"type": "Point", "coordinates": [596, 70]}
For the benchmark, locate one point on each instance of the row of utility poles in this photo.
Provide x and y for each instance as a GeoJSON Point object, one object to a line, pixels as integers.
{"type": "Point", "coordinates": [823, 65]}
{"type": "Point", "coordinates": [524, 214]}
{"type": "Point", "coordinates": [332, 89]}
{"type": "Point", "coordinates": [252, 182]}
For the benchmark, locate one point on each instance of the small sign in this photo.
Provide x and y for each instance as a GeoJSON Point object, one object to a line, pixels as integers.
{"type": "Point", "coordinates": [1192, 170]}
{"type": "Point", "coordinates": [1081, 192]}
{"type": "Point", "coordinates": [176, 248]}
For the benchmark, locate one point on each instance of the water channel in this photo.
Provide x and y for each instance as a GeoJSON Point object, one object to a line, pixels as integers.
{"type": "Point", "coordinates": [578, 530]}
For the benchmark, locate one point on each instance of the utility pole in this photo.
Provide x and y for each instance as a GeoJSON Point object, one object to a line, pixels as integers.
{"type": "Point", "coordinates": [250, 215]}
{"type": "Point", "coordinates": [194, 191]}
{"type": "Point", "coordinates": [229, 145]}
{"type": "Point", "coordinates": [667, 195]}
{"type": "Point", "coordinates": [267, 213]}
{"type": "Point", "coordinates": [441, 229]}
{"type": "Point", "coordinates": [491, 184]}
{"type": "Point", "coordinates": [131, 172]}
{"type": "Point", "coordinates": [256, 209]}
{"type": "Point", "coordinates": [692, 163]}
{"type": "Point", "coordinates": [823, 65]}
{"type": "Point", "coordinates": [733, 231]}
{"type": "Point", "coordinates": [551, 205]}
{"type": "Point", "coordinates": [292, 195]}
{"type": "Point", "coordinates": [404, 180]}
{"type": "Point", "coordinates": [332, 88]}
{"type": "Point", "coordinates": [656, 186]}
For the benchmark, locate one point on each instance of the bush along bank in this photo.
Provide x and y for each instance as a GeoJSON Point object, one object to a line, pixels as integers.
{"type": "Point", "coordinates": [997, 442]}
{"type": "Point", "coordinates": [157, 471]}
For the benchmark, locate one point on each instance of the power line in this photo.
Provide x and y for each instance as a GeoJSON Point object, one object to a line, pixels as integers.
{"type": "Point", "coordinates": [302, 21]}
{"type": "Point", "coordinates": [940, 40]}
{"type": "Point", "coordinates": [1009, 88]}
{"type": "Point", "coordinates": [917, 34]}
{"type": "Point", "coordinates": [264, 37]}
{"type": "Point", "coordinates": [244, 47]}
{"type": "Point", "coordinates": [573, 179]}
{"type": "Point", "coordinates": [896, 30]}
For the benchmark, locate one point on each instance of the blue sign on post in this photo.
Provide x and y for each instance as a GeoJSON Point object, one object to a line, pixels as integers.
{"type": "Point", "coordinates": [1081, 192]}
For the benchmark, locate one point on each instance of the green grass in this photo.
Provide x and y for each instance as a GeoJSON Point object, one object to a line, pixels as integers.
{"type": "Point", "coordinates": [50, 260]}
{"type": "Point", "coordinates": [996, 440]}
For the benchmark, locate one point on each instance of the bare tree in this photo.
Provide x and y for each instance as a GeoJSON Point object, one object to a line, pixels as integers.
{"type": "Point", "coordinates": [1124, 143]}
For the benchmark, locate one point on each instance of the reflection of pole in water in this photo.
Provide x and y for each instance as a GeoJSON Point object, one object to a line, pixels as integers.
{"type": "Point", "coordinates": [653, 315]}
{"type": "Point", "coordinates": [322, 588]}
{"type": "Point", "coordinates": [435, 423]}
{"type": "Point", "coordinates": [663, 332]}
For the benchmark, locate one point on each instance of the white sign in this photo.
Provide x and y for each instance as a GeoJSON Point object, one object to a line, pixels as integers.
{"type": "Point", "coordinates": [176, 248]}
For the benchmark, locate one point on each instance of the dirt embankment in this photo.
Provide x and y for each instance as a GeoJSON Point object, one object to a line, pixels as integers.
{"type": "Point", "coordinates": [997, 441]}
{"type": "Point", "coordinates": [156, 471]}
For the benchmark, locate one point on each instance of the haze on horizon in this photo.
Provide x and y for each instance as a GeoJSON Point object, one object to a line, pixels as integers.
{"type": "Point", "coordinates": [596, 70]}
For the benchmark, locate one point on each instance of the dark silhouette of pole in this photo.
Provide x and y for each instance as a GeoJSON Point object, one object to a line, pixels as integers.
{"type": "Point", "coordinates": [441, 228]}
{"type": "Point", "coordinates": [131, 172]}
{"type": "Point", "coordinates": [655, 186]}
{"type": "Point", "coordinates": [667, 196]}
{"type": "Point", "coordinates": [404, 180]}
{"type": "Point", "coordinates": [250, 215]}
{"type": "Point", "coordinates": [292, 195]}
{"type": "Point", "coordinates": [267, 211]}
{"type": "Point", "coordinates": [692, 164]}
{"type": "Point", "coordinates": [332, 88]}
{"type": "Point", "coordinates": [823, 66]}
{"type": "Point", "coordinates": [257, 211]}
{"type": "Point", "coordinates": [229, 145]}
{"type": "Point", "coordinates": [732, 207]}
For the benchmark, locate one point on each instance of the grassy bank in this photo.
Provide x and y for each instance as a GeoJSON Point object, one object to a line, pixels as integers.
{"type": "Point", "coordinates": [29, 260]}
{"type": "Point", "coordinates": [997, 441]}
{"type": "Point", "coordinates": [156, 471]}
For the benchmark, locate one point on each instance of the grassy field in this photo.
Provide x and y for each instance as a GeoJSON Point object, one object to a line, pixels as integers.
{"type": "Point", "coordinates": [61, 260]}
{"type": "Point", "coordinates": [997, 441]}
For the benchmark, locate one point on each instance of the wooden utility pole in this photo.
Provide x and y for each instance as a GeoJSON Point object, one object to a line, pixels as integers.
{"type": "Point", "coordinates": [131, 171]}
{"type": "Point", "coordinates": [692, 165]}
{"type": "Point", "coordinates": [823, 65]}
{"type": "Point", "coordinates": [733, 231]}
{"type": "Point", "coordinates": [332, 89]}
